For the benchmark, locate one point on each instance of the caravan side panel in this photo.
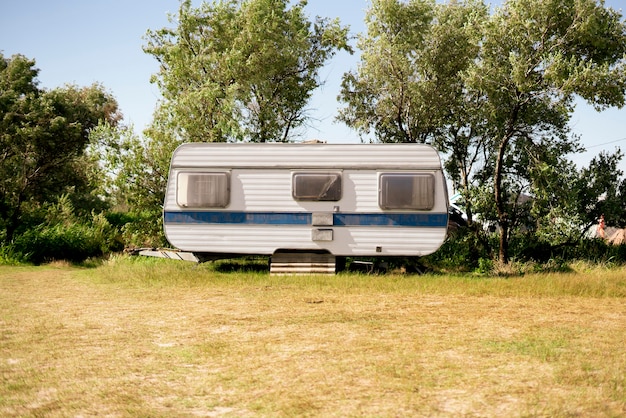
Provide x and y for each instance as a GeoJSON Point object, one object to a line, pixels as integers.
{"type": "Point", "coordinates": [264, 214]}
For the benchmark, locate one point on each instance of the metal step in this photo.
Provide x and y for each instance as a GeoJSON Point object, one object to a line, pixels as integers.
{"type": "Point", "coordinates": [302, 263]}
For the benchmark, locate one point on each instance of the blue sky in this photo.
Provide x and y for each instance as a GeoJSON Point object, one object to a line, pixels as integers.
{"type": "Point", "coordinates": [86, 41]}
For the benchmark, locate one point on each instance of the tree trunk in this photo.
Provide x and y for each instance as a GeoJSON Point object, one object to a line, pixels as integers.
{"type": "Point", "coordinates": [503, 219]}
{"type": "Point", "coordinates": [13, 217]}
{"type": "Point", "coordinates": [503, 216]}
{"type": "Point", "coordinates": [11, 226]}
{"type": "Point", "coordinates": [503, 253]}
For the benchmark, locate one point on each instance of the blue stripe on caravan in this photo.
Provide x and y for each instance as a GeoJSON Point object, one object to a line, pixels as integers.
{"type": "Point", "coordinates": [391, 219]}
{"type": "Point", "coordinates": [248, 218]}
{"type": "Point", "coordinates": [304, 218]}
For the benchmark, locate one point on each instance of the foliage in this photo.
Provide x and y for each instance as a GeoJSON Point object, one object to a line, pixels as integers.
{"type": "Point", "coordinates": [57, 242]}
{"type": "Point", "coordinates": [496, 93]}
{"type": "Point", "coordinates": [471, 250]}
{"type": "Point", "coordinates": [64, 236]}
{"type": "Point", "coordinates": [10, 257]}
{"type": "Point", "coordinates": [43, 136]}
{"type": "Point", "coordinates": [145, 229]}
{"type": "Point", "coordinates": [595, 251]}
{"type": "Point", "coordinates": [408, 84]}
{"type": "Point", "coordinates": [600, 190]}
{"type": "Point", "coordinates": [534, 58]}
{"type": "Point", "coordinates": [135, 174]}
{"type": "Point", "coordinates": [462, 251]}
{"type": "Point", "coordinates": [241, 69]}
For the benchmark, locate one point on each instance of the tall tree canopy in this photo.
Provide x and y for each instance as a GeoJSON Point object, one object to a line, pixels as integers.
{"type": "Point", "coordinates": [409, 82]}
{"type": "Point", "coordinates": [43, 136]}
{"type": "Point", "coordinates": [493, 92]}
{"type": "Point", "coordinates": [535, 57]}
{"type": "Point", "coordinates": [241, 69]}
{"type": "Point", "coordinates": [410, 85]}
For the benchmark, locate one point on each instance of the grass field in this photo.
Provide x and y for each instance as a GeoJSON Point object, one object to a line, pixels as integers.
{"type": "Point", "coordinates": [156, 338]}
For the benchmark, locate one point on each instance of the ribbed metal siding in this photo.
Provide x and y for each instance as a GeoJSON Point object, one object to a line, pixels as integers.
{"type": "Point", "coordinates": [388, 156]}
{"type": "Point", "coordinates": [362, 241]}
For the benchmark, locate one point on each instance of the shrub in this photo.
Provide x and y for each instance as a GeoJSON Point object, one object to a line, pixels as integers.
{"type": "Point", "coordinates": [529, 248]}
{"type": "Point", "coordinates": [74, 242]}
{"type": "Point", "coordinates": [64, 236]}
{"type": "Point", "coordinates": [462, 251]}
{"type": "Point", "coordinates": [145, 229]}
{"type": "Point", "coordinates": [9, 256]}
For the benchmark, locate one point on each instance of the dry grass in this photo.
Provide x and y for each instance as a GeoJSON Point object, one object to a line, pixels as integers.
{"type": "Point", "coordinates": [172, 339]}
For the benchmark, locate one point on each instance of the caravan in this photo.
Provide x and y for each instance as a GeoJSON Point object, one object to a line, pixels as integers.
{"type": "Point", "coordinates": [337, 199]}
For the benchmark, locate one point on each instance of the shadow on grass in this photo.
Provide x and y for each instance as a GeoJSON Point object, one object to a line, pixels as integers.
{"type": "Point", "coordinates": [242, 265]}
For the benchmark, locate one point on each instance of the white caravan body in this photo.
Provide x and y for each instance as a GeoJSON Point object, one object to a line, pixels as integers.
{"type": "Point", "coordinates": [342, 199]}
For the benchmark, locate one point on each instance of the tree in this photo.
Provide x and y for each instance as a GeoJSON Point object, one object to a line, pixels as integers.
{"type": "Point", "coordinates": [600, 190]}
{"type": "Point", "coordinates": [410, 84]}
{"type": "Point", "coordinates": [495, 93]}
{"type": "Point", "coordinates": [136, 170]}
{"type": "Point", "coordinates": [241, 69]}
{"type": "Point", "coordinates": [535, 57]}
{"type": "Point", "coordinates": [43, 136]}
{"type": "Point", "coordinates": [233, 70]}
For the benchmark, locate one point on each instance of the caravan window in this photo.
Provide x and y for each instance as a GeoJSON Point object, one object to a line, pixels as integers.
{"type": "Point", "coordinates": [203, 190]}
{"type": "Point", "coordinates": [414, 191]}
{"type": "Point", "coordinates": [316, 186]}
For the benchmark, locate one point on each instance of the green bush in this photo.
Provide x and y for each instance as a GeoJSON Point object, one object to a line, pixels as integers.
{"type": "Point", "coordinates": [528, 248]}
{"type": "Point", "coordinates": [10, 257]}
{"type": "Point", "coordinates": [62, 235]}
{"type": "Point", "coordinates": [144, 229]}
{"type": "Point", "coordinates": [597, 251]}
{"type": "Point", "coordinates": [74, 242]}
{"type": "Point", "coordinates": [462, 251]}
{"type": "Point", "coordinates": [119, 219]}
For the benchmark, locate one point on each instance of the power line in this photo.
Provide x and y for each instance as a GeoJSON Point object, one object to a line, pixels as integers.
{"type": "Point", "coordinates": [606, 143]}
